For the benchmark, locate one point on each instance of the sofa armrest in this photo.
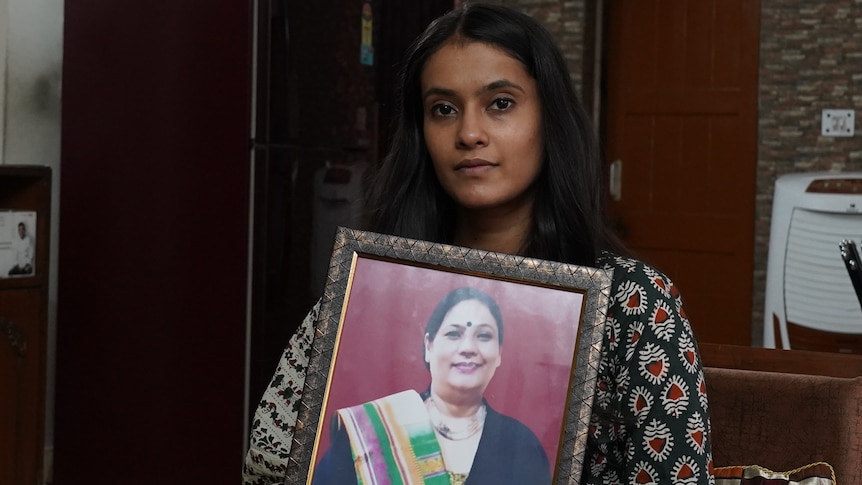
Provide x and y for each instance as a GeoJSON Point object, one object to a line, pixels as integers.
{"type": "Point", "coordinates": [782, 421]}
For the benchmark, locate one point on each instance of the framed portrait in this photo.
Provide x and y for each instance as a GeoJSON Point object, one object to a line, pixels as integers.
{"type": "Point", "coordinates": [17, 243]}
{"type": "Point", "coordinates": [424, 350]}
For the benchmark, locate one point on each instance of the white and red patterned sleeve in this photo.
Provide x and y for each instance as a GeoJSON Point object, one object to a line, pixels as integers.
{"type": "Point", "coordinates": [275, 417]}
{"type": "Point", "coordinates": [650, 417]}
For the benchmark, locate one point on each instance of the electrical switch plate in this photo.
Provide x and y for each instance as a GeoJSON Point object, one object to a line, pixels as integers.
{"type": "Point", "coordinates": [837, 122]}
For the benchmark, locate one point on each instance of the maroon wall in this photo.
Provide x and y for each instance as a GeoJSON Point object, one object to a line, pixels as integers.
{"type": "Point", "coordinates": [153, 242]}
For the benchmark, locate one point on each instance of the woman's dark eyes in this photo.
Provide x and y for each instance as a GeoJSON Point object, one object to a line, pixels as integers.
{"type": "Point", "coordinates": [502, 103]}
{"type": "Point", "coordinates": [442, 109]}
{"type": "Point", "coordinates": [498, 104]}
{"type": "Point", "coordinates": [482, 336]}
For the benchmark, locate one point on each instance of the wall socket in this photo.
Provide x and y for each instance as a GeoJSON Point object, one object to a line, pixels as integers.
{"type": "Point", "coordinates": [837, 122]}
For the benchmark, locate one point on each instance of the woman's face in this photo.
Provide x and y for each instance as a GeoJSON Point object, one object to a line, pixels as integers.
{"type": "Point", "coordinates": [482, 125]}
{"type": "Point", "coordinates": [465, 353]}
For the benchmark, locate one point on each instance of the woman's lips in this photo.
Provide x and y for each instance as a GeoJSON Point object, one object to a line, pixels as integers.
{"type": "Point", "coordinates": [474, 165]}
{"type": "Point", "coordinates": [467, 367]}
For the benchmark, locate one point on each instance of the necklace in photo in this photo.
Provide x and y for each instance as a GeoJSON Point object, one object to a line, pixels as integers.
{"type": "Point", "coordinates": [455, 429]}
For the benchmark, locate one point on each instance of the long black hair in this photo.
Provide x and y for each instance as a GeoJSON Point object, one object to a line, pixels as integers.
{"type": "Point", "coordinates": [406, 198]}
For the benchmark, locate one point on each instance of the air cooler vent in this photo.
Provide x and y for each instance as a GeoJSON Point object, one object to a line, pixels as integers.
{"type": "Point", "coordinates": [807, 286]}
{"type": "Point", "coordinates": [817, 290]}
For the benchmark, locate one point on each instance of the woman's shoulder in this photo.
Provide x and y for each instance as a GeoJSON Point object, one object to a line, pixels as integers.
{"type": "Point", "coordinates": [641, 292]}
{"type": "Point", "coordinates": [630, 272]}
{"type": "Point", "coordinates": [626, 267]}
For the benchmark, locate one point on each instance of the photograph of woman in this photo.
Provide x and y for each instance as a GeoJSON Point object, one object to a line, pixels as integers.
{"type": "Point", "coordinates": [493, 150]}
{"type": "Point", "coordinates": [408, 437]}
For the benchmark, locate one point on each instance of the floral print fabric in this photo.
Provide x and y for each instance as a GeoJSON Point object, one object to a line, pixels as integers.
{"type": "Point", "coordinates": [275, 417]}
{"type": "Point", "coordinates": [650, 420]}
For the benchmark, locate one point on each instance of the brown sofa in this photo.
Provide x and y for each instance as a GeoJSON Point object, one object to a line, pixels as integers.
{"type": "Point", "coordinates": [782, 409]}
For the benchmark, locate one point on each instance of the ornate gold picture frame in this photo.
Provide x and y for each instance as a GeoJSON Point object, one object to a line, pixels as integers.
{"type": "Point", "coordinates": [370, 339]}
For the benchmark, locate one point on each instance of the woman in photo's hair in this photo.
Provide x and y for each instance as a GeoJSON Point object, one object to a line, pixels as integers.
{"type": "Point", "coordinates": [493, 151]}
{"type": "Point", "coordinates": [450, 429]}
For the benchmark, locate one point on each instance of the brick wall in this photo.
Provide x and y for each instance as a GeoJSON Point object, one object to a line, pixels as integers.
{"type": "Point", "coordinates": [810, 59]}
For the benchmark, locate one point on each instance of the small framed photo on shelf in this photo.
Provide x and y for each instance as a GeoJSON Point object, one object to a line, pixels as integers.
{"type": "Point", "coordinates": [17, 243]}
{"type": "Point", "coordinates": [434, 361]}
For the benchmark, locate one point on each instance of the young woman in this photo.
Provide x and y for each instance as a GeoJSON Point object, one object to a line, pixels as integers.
{"type": "Point", "coordinates": [493, 151]}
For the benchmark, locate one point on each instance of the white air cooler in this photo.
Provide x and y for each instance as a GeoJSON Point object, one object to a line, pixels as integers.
{"type": "Point", "coordinates": [807, 283]}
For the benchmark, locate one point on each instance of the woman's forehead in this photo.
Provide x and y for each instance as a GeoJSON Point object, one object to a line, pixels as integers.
{"type": "Point", "coordinates": [455, 59]}
{"type": "Point", "coordinates": [471, 310]}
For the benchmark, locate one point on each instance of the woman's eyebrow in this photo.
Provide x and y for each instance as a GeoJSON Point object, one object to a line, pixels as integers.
{"type": "Point", "coordinates": [437, 91]}
{"type": "Point", "coordinates": [502, 83]}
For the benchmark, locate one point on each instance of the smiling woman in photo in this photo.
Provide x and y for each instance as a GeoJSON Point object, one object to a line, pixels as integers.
{"type": "Point", "coordinates": [449, 432]}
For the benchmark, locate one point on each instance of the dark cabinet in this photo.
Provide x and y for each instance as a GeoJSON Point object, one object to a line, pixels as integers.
{"type": "Point", "coordinates": [23, 325]}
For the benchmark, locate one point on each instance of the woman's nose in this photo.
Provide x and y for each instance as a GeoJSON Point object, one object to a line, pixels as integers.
{"type": "Point", "coordinates": [467, 346]}
{"type": "Point", "coordinates": [471, 132]}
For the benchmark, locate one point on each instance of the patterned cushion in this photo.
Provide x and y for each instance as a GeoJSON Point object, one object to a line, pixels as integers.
{"type": "Point", "coordinates": [814, 474]}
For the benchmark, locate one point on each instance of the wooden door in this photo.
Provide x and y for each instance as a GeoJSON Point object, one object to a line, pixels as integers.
{"type": "Point", "coordinates": [682, 121]}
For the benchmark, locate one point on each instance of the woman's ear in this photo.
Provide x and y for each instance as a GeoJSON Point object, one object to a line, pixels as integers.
{"type": "Point", "coordinates": [427, 347]}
